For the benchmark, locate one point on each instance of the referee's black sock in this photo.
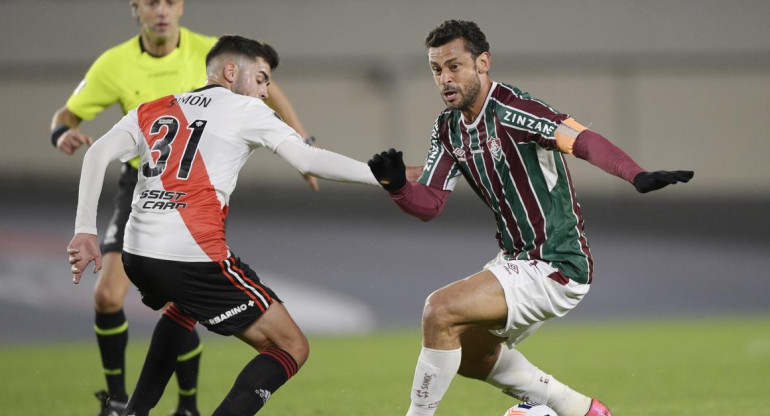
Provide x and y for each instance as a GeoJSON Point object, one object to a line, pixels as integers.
{"type": "Point", "coordinates": [261, 377]}
{"type": "Point", "coordinates": [112, 336]}
{"type": "Point", "coordinates": [167, 341]}
{"type": "Point", "coordinates": [187, 364]}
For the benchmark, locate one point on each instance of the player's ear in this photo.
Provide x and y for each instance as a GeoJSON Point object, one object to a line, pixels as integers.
{"type": "Point", "coordinates": [133, 5]}
{"type": "Point", "coordinates": [483, 62]}
{"type": "Point", "coordinates": [230, 71]}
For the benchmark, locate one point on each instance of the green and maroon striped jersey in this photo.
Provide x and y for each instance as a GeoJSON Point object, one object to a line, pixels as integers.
{"type": "Point", "coordinates": [508, 156]}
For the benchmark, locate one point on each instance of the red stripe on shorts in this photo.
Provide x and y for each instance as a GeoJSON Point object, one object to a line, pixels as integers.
{"type": "Point", "coordinates": [238, 285]}
{"type": "Point", "coordinates": [251, 282]}
{"type": "Point", "coordinates": [179, 316]}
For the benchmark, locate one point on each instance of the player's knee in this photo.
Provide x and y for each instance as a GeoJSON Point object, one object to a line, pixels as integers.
{"type": "Point", "coordinates": [303, 352]}
{"type": "Point", "coordinates": [438, 312]}
{"type": "Point", "coordinates": [107, 300]}
{"type": "Point", "coordinates": [299, 350]}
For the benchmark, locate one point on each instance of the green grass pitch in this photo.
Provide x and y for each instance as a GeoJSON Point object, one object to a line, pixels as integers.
{"type": "Point", "coordinates": [682, 367]}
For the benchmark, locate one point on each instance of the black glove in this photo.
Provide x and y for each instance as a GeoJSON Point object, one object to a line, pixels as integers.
{"type": "Point", "coordinates": [649, 181]}
{"type": "Point", "coordinates": [389, 169]}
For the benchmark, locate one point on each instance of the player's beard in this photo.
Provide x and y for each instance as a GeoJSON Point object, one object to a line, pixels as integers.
{"type": "Point", "coordinates": [239, 87]}
{"type": "Point", "coordinates": [469, 93]}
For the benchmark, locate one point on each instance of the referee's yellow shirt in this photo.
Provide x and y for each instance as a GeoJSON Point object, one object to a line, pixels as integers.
{"type": "Point", "coordinates": [128, 75]}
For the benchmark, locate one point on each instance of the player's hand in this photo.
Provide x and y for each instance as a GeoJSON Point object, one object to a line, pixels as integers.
{"type": "Point", "coordinates": [71, 141]}
{"type": "Point", "coordinates": [413, 173]}
{"type": "Point", "coordinates": [650, 181]}
{"type": "Point", "coordinates": [312, 182]}
{"type": "Point", "coordinates": [83, 249]}
{"type": "Point", "coordinates": [389, 169]}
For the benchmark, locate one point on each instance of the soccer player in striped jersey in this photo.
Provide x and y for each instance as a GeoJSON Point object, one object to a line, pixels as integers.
{"type": "Point", "coordinates": [164, 58]}
{"type": "Point", "coordinates": [192, 146]}
{"type": "Point", "coordinates": [511, 149]}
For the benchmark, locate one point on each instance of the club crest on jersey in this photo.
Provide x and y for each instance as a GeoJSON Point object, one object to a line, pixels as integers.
{"type": "Point", "coordinates": [493, 143]}
{"type": "Point", "coordinates": [459, 153]}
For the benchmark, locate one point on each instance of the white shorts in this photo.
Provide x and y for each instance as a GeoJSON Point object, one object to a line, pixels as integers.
{"type": "Point", "coordinates": [534, 292]}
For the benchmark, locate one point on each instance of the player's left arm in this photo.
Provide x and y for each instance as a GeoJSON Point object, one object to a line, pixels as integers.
{"type": "Point", "coordinates": [279, 102]}
{"type": "Point", "coordinates": [323, 163]}
{"type": "Point", "coordinates": [577, 140]}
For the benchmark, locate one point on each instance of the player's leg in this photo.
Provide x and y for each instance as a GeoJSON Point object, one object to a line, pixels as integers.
{"type": "Point", "coordinates": [534, 293]}
{"type": "Point", "coordinates": [170, 334]}
{"type": "Point", "coordinates": [519, 378]}
{"type": "Point", "coordinates": [187, 365]}
{"type": "Point", "coordinates": [267, 326]}
{"type": "Point", "coordinates": [111, 330]}
{"type": "Point", "coordinates": [229, 299]}
{"type": "Point", "coordinates": [160, 282]}
{"type": "Point", "coordinates": [475, 302]}
{"type": "Point", "coordinates": [109, 293]}
{"type": "Point", "coordinates": [283, 350]}
{"type": "Point", "coordinates": [485, 358]}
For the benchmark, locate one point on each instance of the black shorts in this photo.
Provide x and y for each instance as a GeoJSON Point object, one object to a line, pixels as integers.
{"type": "Point", "coordinates": [224, 296]}
{"type": "Point", "coordinates": [113, 237]}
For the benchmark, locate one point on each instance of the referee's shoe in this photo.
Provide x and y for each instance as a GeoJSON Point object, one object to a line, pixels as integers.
{"type": "Point", "coordinates": [109, 407]}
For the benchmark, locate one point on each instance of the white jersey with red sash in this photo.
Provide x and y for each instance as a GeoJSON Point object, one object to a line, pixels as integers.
{"type": "Point", "coordinates": [192, 147]}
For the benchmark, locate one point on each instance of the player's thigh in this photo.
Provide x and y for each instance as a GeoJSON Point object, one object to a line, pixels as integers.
{"type": "Point", "coordinates": [477, 300]}
{"type": "Point", "coordinates": [276, 328]}
{"type": "Point", "coordinates": [111, 285]}
{"type": "Point", "coordinates": [535, 292]}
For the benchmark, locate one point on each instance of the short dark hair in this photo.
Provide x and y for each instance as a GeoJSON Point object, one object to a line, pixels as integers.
{"type": "Point", "coordinates": [238, 45]}
{"type": "Point", "coordinates": [475, 40]}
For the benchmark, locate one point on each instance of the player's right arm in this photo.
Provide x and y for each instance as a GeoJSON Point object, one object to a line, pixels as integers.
{"type": "Point", "coordinates": [424, 199]}
{"type": "Point", "coordinates": [414, 198]}
{"type": "Point", "coordinates": [65, 135]}
{"type": "Point", "coordinates": [84, 248]}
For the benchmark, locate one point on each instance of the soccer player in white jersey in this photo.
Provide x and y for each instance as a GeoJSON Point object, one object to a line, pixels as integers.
{"type": "Point", "coordinates": [511, 149]}
{"type": "Point", "coordinates": [192, 147]}
{"type": "Point", "coordinates": [163, 58]}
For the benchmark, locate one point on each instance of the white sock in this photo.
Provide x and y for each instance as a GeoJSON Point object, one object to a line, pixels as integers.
{"type": "Point", "coordinates": [435, 370]}
{"type": "Point", "coordinates": [519, 378]}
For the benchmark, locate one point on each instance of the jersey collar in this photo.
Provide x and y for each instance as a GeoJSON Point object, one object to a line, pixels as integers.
{"type": "Point", "coordinates": [475, 122]}
{"type": "Point", "coordinates": [143, 50]}
{"type": "Point", "coordinates": [207, 87]}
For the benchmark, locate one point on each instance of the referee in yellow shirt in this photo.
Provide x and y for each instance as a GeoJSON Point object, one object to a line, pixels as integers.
{"type": "Point", "coordinates": [164, 58]}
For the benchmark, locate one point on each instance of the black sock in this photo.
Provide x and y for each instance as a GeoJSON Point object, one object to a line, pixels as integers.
{"type": "Point", "coordinates": [167, 340]}
{"type": "Point", "coordinates": [187, 365]}
{"type": "Point", "coordinates": [261, 377]}
{"type": "Point", "coordinates": [112, 336]}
